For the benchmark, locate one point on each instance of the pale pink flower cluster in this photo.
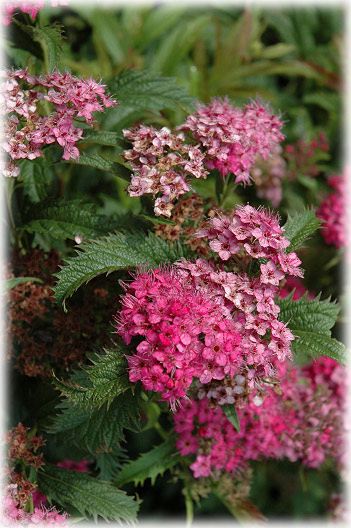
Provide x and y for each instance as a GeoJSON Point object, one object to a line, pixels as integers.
{"type": "Point", "coordinates": [23, 101]}
{"type": "Point", "coordinates": [161, 163]}
{"type": "Point", "coordinates": [185, 335]}
{"type": "Point", "coordinates": [267, 176]}
{"type": "Point", "coordinates": [41, 516]}
{"type": "Point", "coordinates": [234, 138]}
{"type": "Point", "coordinates": [332, 212]}
{"type": "Point", "coordinates": [256, 233]}
{"type": "Point", "coordinates": [303, 421]}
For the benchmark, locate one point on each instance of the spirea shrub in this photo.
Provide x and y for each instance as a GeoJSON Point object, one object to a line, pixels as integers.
{"type": "Point", "coordinates": [204, 334]}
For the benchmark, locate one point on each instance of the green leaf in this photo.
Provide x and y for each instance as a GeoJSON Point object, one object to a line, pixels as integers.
{"type": "Point", "coordinates": [101, 137]}
{"type": "Point", "coordinates": [300, 227]}
{"type": "Point", "coordinates": [313, 345]}
{"type": "Point", "coordinates": [232, 415]}
{"type": "Point", "coordinates": [98, 431]}
{"type": "Point", "coordinates": [99, 383]}
{"type": "Point", "coordinates": [91, 497]}
{"type": "Point", "coordinates": [175, 46]}
{"type": "Point", "coordinates": [36, 177]}
{"type": "Point", "coordinates": [149, 465]}
{"type": "Point", "coordinates": [142, 90]}
{"type": "Point", "coordinates": [50, 39]}
{"type": "Point", "coordinates": [114, 252]}
{"type": "Point", "coordinates": [102, 163]}
{"type": "Point", "coordinates": [66, 219]}
{"type": "Point", "coordinates": [108, 464]}
{"type": "Point", "coordinates": [311, 322]}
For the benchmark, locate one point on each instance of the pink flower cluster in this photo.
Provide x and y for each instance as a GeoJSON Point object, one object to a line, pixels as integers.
{"type": "Point", "coordinates": [23, 101]}
{"type": "Point", "coordinates": [185, 335]}
{"type": "Point", "coordinates": [41, 516]}
{"type": "Point", "coordinates": [200, 323]}
{"type": "Point", "coordinates": [234, 138]}
{"type": "Point", "coordinates": [332, 212]}
{"type": "Point", "coordinates": [265, 341]}
{"type": "Point", "coordinates": [161, 162]}
{"type": "Point", "coordinates": [303, 421]}
{"type": "Point", "coordinates": [256, 233]}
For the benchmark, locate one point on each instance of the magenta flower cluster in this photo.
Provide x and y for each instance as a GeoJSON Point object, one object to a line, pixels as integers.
{"type": "Point", "coordinates": [234, 138]}
{"type": "Point", "coordinates": [185, 335]}
{"type": "Point", "coordinates": [40, 110]}
{"type": "Point", "coordinates": [332, 212]}
{"type": "Point", "coordinates": [301, 421]}
{"type": "Point", "coordinates": [161, 163]}
{"type": "Point", "coordinates": [40, 516]}
{"type": "Point", "coordinates": [206, 324]}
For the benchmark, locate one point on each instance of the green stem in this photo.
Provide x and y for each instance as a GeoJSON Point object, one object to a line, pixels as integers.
{"type": "Point", "coordinates": [226, 189]}
{"type": "Point", "coordinates": [189, 507]}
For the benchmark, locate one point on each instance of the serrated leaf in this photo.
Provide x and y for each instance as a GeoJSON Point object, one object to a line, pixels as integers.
{"type": "Point", "coordinates": [311, 322]}
{"type": "Point", "coordinates": [91, 497]}
{"type": "Point", "coordinates": [15, 281]}
{"type": "Point", "coordinates": [115, 252]}
{"type": "Point", "coordinates": [315, 345]}
{"type": "Point", "coordinates": [313, 314]}
{"type": "Point", "coordinates": [143, 90]}
{"type": "Point", "coordinates": [50, 38]}
{"type": "Point", "coordinates": [66, 219]}
{"type": "Point", "coordinates": [300, 227]}
{"type": "Point", "coordinates": [99, 383]}
{"type": "Point", "coordinates": [232, 415]}
{"type": "Point", "coordinates": [108, 464]}
{"type": "Point", "coordinates": [98, 431]}
{"type": "Point", "coordinates": [149, 465]}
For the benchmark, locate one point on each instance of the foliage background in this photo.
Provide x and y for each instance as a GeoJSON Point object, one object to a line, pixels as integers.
{"type": "Point", "coordinates": [291, 58]}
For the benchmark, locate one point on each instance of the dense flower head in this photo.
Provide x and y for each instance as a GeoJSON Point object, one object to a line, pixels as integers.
{"type": "Point", "coordinates": [185, 334]}
{"type": "Point", "coordinates": [202, 324]}
{"type": "Point", "coordinates": [300, 421]}
{"type": "Point", "coordinates": [332, 212]}
{"type": "Point", "coordinates": [268, 175]}
{"type": "Point", "coordinates": [162, 162]}
{"type": "Point", "coordinates": [28, 128]}
{"type": "Point", "coordinates": [234, 138]}
{"type": "Point", "coordinates": [265, 341]}
{"type": "Point", "coordinates": [13, 513]}
{"type": "Point", "coordinates": [257, 234]}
